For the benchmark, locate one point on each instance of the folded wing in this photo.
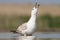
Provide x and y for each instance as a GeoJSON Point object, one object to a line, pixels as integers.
{"type": "Point", "coordinates": [22, 28]}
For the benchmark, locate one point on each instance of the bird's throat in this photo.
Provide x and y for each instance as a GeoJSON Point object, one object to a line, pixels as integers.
{"type": "Point", "coordinates": [32, 18]}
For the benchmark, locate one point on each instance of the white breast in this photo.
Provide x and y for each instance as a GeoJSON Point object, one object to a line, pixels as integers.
{"type": "Point", "coordinates": [30, 26]}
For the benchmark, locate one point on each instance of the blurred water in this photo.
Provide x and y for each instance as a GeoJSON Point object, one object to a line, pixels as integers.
{"type": "Point", "coordinates": [12, 36]}
{"type": "Point", "coordinates": [38, 35]}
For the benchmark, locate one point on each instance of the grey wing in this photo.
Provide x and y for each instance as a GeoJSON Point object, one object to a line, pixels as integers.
{"type": "Point", "coordinates": [22, 27]}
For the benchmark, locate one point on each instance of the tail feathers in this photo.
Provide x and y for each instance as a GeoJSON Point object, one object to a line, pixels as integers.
{"type": "Point", "coordinates": [14, 31]}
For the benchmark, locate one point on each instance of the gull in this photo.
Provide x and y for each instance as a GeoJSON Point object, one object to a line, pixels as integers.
{"type": "Point", "coordinates": [30, 26]}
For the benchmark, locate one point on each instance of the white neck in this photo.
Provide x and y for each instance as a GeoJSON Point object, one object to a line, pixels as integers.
{"type": "Point", "coordinates": [32, 18]}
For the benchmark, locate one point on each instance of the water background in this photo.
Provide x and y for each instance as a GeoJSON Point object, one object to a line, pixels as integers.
{"type": "Point", "coordinates": [38, 35]}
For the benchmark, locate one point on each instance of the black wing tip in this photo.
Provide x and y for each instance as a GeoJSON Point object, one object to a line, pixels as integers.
{"type": "Point", "coordinates": [14, 31]}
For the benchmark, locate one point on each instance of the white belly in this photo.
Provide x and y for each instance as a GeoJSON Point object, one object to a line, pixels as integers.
{"type": "Point", "coordinates": [31, 28]}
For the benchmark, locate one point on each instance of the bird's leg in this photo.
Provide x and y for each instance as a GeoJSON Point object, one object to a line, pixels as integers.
{"type": "Point", "coordinates": [24, 34]}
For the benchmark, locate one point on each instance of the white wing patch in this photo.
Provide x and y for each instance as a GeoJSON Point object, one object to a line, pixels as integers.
{"type": "Point", "coordinates": [22, 27]}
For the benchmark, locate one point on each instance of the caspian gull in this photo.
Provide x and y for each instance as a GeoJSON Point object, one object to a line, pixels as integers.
{"type": "Point", "coordinates": [30, 26]}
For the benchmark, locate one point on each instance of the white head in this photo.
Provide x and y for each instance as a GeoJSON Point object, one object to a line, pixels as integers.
{"type": "Point", "coordinates": [35, 9]}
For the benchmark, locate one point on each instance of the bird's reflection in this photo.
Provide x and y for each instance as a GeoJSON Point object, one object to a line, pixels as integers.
{"type": "Point", "coordinates": [26, 38]}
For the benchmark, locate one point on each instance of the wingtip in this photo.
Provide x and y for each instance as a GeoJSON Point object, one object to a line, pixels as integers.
{"type": "Point", "coordinates": [13, 31]}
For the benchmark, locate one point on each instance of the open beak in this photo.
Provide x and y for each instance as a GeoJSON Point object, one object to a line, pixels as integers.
{"type": "Point", "coordinates": [37, 5]}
